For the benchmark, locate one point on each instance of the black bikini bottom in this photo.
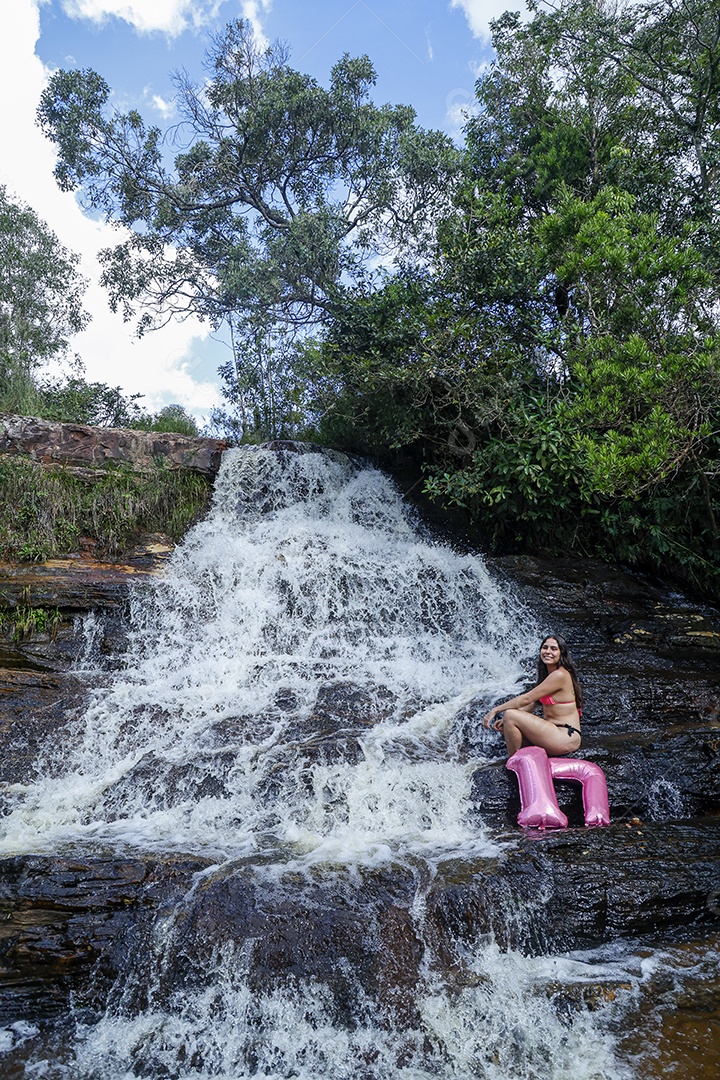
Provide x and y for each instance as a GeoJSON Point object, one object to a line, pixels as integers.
{"type": "Point", "coordinates": [570, 729]}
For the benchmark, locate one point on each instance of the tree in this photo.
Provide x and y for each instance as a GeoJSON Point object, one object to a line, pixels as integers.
{"type": "Point", "coordinates": [591, 92]}
{"type": "Point", "coordinates": [74, 400]}
{"type": "Point", "coordinates": [171, 418]}
{"type": "Point", "coordinates": [281, 189]}
{"type": "Point", "coordinates": [40, 301]}
{"type": "Point", "coordinates": [639, 340]}
{"type": "Point", "coordinates": [261, 385]}
{"type": "Point", "coordinates": [671, 53]}
{"type": "Point", "coordinates": [556, 371]}
{"type": "Point", "coordinates": [553, 108]}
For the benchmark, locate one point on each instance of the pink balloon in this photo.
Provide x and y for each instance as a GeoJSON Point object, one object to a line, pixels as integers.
{"type": "Point", "coordinates": [594, 787]}
{"type": "Point", "coordinates": [537, 794]}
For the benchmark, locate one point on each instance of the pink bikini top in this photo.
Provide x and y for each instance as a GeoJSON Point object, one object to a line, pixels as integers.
{"type": "Point", "coordinates": [550, 700]}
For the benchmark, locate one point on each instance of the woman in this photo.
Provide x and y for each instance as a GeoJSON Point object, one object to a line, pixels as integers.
{"type": "Point", "coordinates": [558, 691]}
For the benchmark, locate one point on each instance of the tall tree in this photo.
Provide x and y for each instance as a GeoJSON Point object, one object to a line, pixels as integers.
{"type": "Point", "coordinates": [40, 301]}
{"type": "Point", "coordinates": [282, 187]}
{"type": "Point", "coordinates": [670, 50]}
{"type": "Point", "coordinates": [557, 371]}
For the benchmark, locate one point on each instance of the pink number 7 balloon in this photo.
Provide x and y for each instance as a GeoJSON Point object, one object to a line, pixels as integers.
{"type": "Point", "coordinates": [536, 772]}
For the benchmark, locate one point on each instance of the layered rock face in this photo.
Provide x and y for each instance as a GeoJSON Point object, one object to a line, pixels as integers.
{"type": "Point", "coordinates": [79, 446]}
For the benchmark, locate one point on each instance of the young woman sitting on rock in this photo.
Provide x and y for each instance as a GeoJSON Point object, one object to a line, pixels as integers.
{"type": "Point", "coordinates": [558, 691]}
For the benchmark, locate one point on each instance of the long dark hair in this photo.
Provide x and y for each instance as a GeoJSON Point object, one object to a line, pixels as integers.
{"type": "Point", "coordinates": [565, 661]}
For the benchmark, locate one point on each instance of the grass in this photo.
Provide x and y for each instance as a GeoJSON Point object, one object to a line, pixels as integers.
{"type": "Point", "coordinates": [25, 620]}
{"type": "Point", "coordinates": [45, 510]}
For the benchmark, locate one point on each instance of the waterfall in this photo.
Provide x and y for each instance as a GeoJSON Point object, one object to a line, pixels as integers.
{"type": "Point", "coordinates": [298, 706]}
{"type": "Point", "coordinates": [292, 683]}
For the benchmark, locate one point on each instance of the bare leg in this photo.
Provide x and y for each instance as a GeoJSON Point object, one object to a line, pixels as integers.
{"type": "Point", "coordinates": [517, 724]}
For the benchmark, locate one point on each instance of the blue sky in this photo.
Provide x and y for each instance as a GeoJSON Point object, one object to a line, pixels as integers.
{"type": "Point", "coordinates": [427, 53]}
{"type": "Point", "coordinates": [424, 51]}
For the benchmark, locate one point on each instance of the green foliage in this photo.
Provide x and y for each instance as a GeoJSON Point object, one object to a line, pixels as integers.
{"type": "Point", "coordinates": [262, 386]}
{"type": "Point", "coordinates": [556, 369]}
{"type": "Point", "coordinates": [44, 511]}
{"type": "Point", "coordinates": [590, 94]}
{"type": "Point", "coordinates": [24, 620]}
{"type": "Point", "coordinates": [171, 418]}
{"type": "Point", "coordinates": [638, 339]}
{"type": "Point", "coordinates": [40, 302]}
{"type": "Point", "coordinates": [77, 401]}
{"type": "Point", "coordinates": [283, 188]}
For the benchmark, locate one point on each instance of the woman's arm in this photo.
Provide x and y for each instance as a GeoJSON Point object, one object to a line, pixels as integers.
{"type": "Point", "coordinates": [529, 699]}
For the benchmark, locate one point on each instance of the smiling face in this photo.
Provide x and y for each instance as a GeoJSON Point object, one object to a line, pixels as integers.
{"type": "Point", "coordinates": [550, 653]}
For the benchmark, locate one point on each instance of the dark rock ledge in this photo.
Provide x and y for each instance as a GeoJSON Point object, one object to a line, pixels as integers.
{"type": "Point", "coordinates": [69, 925]}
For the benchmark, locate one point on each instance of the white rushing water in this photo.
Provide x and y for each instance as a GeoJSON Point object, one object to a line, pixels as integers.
{"type": "Point", "coordinates": [294, 698]}
{"type": "Point", "coordinates": [308, 575]}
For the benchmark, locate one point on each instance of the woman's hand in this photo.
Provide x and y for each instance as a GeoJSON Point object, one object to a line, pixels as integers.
{"type": "Point", "coordinates": [489, 720]}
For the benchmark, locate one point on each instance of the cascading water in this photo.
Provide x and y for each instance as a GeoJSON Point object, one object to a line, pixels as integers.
{"type": "Point", "coordinates": [289, 711]}
{"type": "Point", "coordinates": [304, 608]}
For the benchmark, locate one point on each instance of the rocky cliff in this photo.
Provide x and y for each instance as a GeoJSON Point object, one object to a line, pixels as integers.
{"type": "Point", "coordinates": [78, 446]}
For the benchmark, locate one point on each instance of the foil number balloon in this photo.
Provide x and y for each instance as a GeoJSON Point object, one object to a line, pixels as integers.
{"type": "Point", "coordinates": [536, 772]}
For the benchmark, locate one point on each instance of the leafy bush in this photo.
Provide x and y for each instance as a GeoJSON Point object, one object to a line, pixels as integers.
{"type": "Point", "coordinates": [77, 401]}
{"type": "Point", "coordinates": [172, 418]}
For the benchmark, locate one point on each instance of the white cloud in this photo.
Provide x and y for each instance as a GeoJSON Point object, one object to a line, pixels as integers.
{"type": "Point", "coordinates": [165, 108]}
{"type": "Point", "coordinates": [168, 16]}
{"type": "Point", "coordinates": [167, 366]}
{"type": "Point", "coordinates": [479, 68]}
{"type": "Point", "coordinates": [460, 105]}
{"type": "Point", "coordinates": [253, 10]}
{"type": "Point", "coordinates": [480, 13]}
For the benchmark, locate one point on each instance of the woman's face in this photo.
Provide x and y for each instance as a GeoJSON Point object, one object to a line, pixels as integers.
{"type": "Point", "coordinates": [550, 652]}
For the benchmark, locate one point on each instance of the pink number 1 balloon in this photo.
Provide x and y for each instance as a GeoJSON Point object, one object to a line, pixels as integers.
{"type": "Point", "coordinates": [536, 772]}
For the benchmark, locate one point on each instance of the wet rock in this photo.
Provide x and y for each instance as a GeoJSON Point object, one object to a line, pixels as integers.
{"type": "Point", "coordinates": [33, 706]}
{"type": "Point", "coordinates": [42, 680]}
{"type": "Point", "coordinates": [349, 931]}
{"type": "Point", "coordinates": [67, 925]}
{"type": "Point", "coordinates": [202, 778]}
{"type": "Point", "coordinates": [80, 583]}
{"type": "Point", "coordinates": [346, 705]}
{"type": "Point", "coordinates": [674, 776]}
{"type": "Point", "coordinates": [614, 619]}
{"type": "Point", "coordinates": [70, 926]}
{"type": "Point", "coordinates": [575, 889]}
